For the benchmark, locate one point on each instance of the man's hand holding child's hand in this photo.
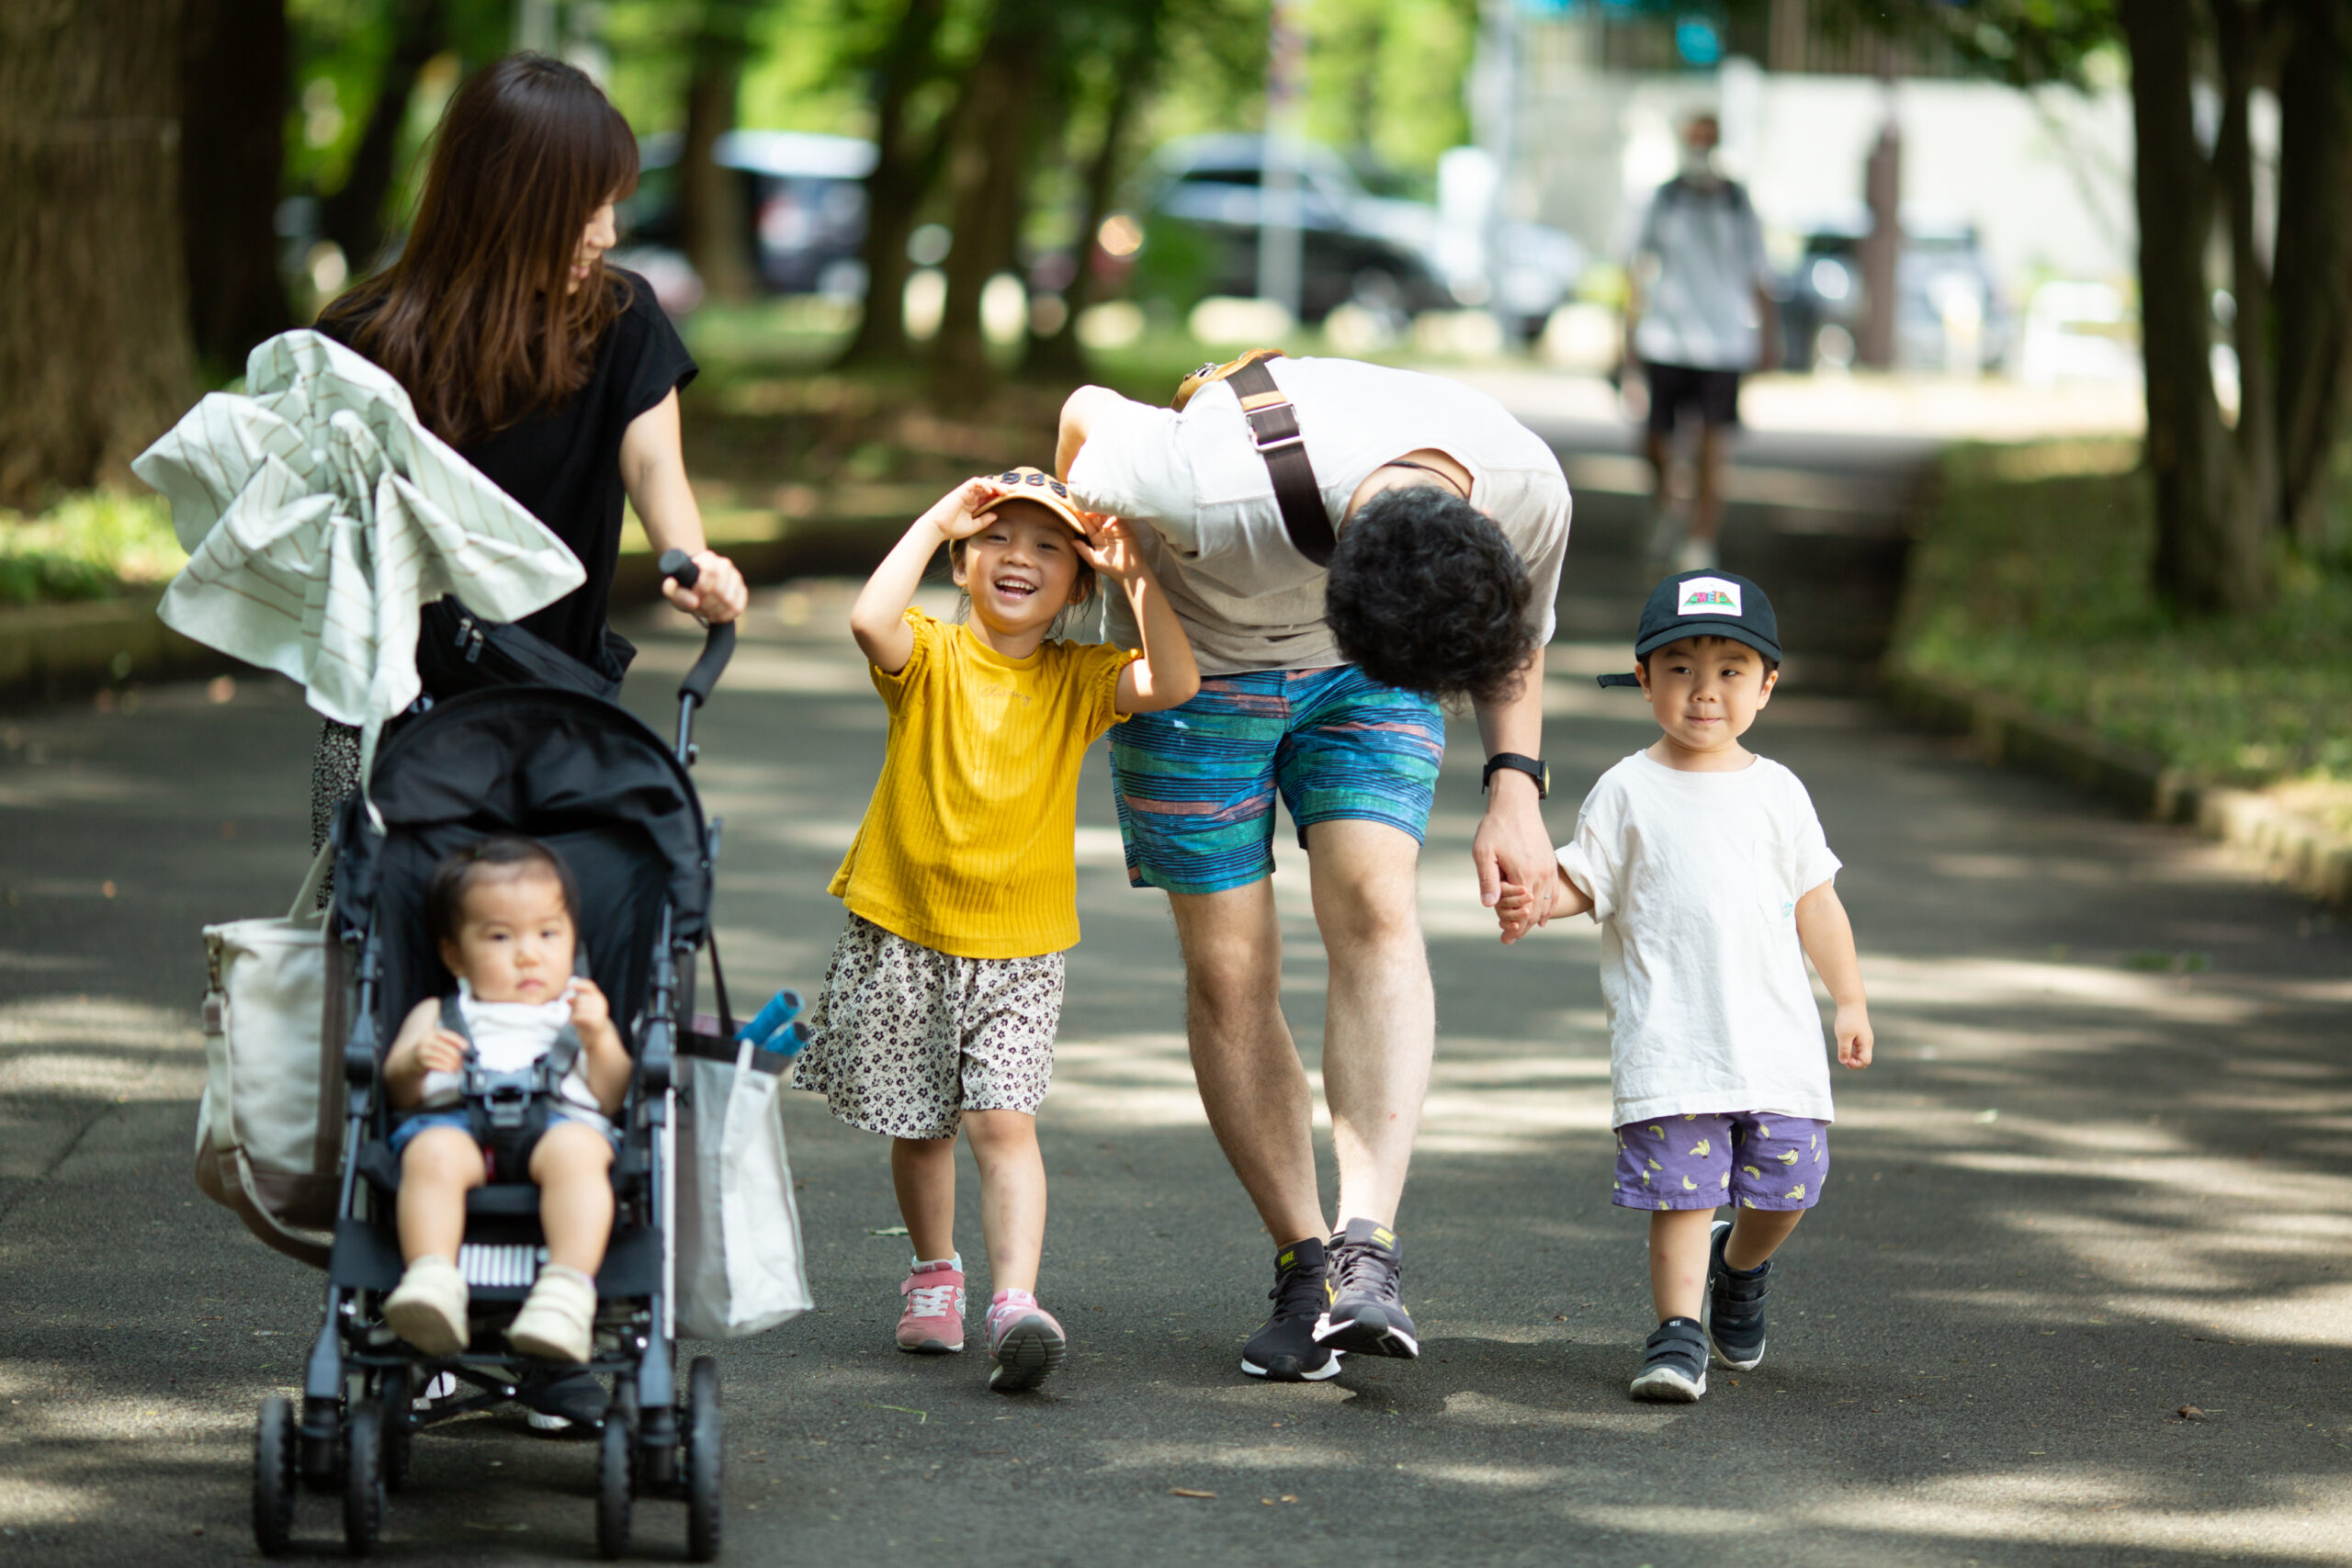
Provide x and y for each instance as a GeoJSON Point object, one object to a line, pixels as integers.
{"type": "Point", "coordinates": [1515, 911]}
{"type": "Point", "coordinates": [1854, 1036]}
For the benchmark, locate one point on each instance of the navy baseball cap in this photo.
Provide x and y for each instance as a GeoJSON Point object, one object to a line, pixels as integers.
{"type": "Point", "coordinates": [1704, 603]}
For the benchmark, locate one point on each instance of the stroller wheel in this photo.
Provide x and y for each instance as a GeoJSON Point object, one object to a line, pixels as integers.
{"type": "Point", "coordinates": [275, 1481]}
{"type": "Point", "coordinates": [400, 1428]}
{"type": "Point", "coordinates": [363, 1480]}
{"type": "Point", "coordinates": [616, 1471]}
{"type": "Point", "coordinates": [704, 1445]}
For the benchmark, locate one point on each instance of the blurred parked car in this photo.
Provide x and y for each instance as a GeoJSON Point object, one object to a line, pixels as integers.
{"type": "Point", "coordinates": [1948, 314]}
{"type": "Point", "coordinates": [804, 205]}
{"type": "Point", "coordinates": [1202, 205]}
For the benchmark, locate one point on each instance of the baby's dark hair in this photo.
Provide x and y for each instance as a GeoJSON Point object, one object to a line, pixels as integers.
{"type": "Point", "coordinates": [1771, 665]}
{"type": "Point", "coordinates": [1085, 582]}
{"type": "Point", "coordinates": [503, 854]}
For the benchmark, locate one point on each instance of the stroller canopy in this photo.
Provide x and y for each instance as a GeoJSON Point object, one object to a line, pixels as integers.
{"type": "Point", "coordinates": [589, 778]}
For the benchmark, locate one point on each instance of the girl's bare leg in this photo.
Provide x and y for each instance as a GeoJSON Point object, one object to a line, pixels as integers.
{"type": "Point", "coordinates": [1013, 1194]}
{"type": "Point", "coordinates": [923, 1171]}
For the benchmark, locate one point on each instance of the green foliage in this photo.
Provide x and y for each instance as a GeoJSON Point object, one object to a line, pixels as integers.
{"type": "Point", "coordinates": [2031, 580]}
{"type": "Point", "coordinates": [2023, 42]}
{"type": "Point", "coordinates": [1386, 76]}
{"type": "Point", "coordinates": [339, 50]}
{"type": "Point", "coordinates": [86, 546]}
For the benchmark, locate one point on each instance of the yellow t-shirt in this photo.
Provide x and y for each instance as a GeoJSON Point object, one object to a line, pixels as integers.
{"type": "Point", "coordinates": [969, 843]}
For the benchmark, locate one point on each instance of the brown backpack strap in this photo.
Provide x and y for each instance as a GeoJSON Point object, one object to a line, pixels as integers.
{"type": "Point", "coordinates": [1273, 426]}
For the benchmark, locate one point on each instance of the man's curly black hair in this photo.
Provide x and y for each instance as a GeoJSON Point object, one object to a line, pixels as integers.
{"type": "Point", "coordinates": [1426, 594]}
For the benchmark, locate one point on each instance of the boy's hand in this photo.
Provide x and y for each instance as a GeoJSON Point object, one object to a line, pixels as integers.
{"type": "Point", "coordinates": [1110, 549]}
{"type": "Point", "coordinates": [1854, 1036]}
{"type": "Point", "coordinates": [1515, 911]}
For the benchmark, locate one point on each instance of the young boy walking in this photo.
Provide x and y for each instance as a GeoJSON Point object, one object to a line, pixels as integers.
{"type": "Point", "coordinates": [1708, 873]}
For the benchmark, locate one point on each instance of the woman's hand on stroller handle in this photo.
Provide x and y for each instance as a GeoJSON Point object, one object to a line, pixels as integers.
{"type": "Point", "coordinates": [705, 584]}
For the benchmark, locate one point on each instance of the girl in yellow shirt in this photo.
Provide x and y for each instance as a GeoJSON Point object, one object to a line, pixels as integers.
{"type": "Point", "coordinates": [942, 999]}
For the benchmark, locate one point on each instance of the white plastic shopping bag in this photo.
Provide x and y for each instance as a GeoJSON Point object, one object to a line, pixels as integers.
{"type": "Point", "coordinates": [740, 1256]}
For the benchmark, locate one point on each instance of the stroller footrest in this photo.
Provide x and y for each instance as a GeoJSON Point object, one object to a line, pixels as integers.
{"type": "Point", "coordinates": [493, 1265]}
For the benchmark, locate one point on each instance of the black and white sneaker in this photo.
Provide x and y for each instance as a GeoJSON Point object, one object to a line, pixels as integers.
{"type": "Point", "coordinates": [1673, 1364]}
{"type": "Point", "coordinates": [1284, 1350]}
{"type": "Point", "coordinates": [1366, 1316]}
{"type": "Point", "coordinates": [1733, 1312]}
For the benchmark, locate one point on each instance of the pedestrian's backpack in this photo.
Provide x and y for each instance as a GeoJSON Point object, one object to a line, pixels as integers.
{"type": "Point", "coordinates": [270, 1129]}
{"type": "Point", "coordinates": [740, 1251]}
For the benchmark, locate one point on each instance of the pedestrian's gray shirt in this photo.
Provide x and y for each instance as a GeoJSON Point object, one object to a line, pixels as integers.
{"type": "Point", "coordinates": [1701, 310]}
{"type": "Point", "coordinates": [1247, 599]}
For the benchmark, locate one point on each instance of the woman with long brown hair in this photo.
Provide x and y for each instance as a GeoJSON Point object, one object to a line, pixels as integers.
{"type": "Point", "coordinates": [555, 375]}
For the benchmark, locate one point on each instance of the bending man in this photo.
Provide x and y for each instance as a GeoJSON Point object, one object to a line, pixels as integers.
{"type": "Point", "coordinates": [1347, 546]}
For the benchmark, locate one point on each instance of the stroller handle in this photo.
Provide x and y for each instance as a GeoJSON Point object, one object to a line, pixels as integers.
{"type": "Point", "coordinates": [719, 646]}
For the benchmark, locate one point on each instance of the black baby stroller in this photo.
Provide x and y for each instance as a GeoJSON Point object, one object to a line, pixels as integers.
{"type": "Point", "coordinates": [594, 781]}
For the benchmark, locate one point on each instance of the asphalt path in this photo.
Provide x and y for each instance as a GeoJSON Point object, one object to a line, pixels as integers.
{"type": "Point", "coordinates": [2099, 1173]}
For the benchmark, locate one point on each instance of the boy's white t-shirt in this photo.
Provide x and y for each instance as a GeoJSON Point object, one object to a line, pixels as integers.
{"type": "Point", "coordinates": [1694, 880]}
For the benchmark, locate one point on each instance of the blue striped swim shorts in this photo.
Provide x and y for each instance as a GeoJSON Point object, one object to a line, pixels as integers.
{"type": "Point", "coordinates": [1196, 783]}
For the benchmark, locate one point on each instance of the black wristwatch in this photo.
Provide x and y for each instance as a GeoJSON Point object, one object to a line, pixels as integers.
{"type": "Point", "coordinates": [1533, 767]}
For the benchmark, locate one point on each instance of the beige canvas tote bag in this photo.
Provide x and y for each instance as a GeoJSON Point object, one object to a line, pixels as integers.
{"type": "Point", "coordinates": [269, 1130]}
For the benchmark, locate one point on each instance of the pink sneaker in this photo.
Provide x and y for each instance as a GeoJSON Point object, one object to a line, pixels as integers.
{"type": "Point", "coordinates": [1025, 1345]}
{"type": "Point", "coordinates": [933, 1323]}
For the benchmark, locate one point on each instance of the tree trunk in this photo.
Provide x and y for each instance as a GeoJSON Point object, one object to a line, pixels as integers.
{"type": "Point", "coordinates": [232, 153]}
{"type": "Point", "coordinates": [94, 357]}
{"type": "Point", "coordinates": [987, 170]}
{"type": "Point", "coordinates": [2312, 272]}
{"type": "Point", "coordinates": [2201, 562]}
{"type": "Point", "coordinates": [711, 211]}
{"type": "Point", "coordinates": [2252, 494]}
{"type": "Point", "coordinates": [354, 217]}
{"type": "Point", "coordinates": [1058, 354]}
{"type": "Point", "coordinates": [903, 174]}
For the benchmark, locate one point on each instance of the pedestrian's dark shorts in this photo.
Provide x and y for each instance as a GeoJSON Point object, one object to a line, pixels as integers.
{"type": "Point", "coordinates": [1750, 1159]}
{"type": "Point", "coordinates": [1196, 783]}
{"type": "Point", "coordinates": [1715, 394]}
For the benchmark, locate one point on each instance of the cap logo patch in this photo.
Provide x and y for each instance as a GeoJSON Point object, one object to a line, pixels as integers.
{"type": "Point", "coordinates": [1708, 596]}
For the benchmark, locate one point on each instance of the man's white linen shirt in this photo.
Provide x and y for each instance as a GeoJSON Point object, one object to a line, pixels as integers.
{"type": "Point", "coordinates": [1694, 879]}
{"type": "Point", "coordinates": [1247, 598]}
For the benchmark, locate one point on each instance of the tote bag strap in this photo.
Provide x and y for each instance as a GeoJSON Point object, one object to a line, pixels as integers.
{"type": "Point", "coordinates": [316, 879]}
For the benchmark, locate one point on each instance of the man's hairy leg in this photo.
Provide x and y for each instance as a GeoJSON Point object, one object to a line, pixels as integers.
{"type": "Point", "coordinates": [1380, 1021]}
{"type": "Point", "coordinates": [1252, 1084]}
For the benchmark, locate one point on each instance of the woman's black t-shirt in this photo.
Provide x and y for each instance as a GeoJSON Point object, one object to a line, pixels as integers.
{"type": "Point", "coordinates": [563, 463]}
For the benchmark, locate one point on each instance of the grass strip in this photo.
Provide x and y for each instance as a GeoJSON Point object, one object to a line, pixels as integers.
{"type": "Point", "coordinates": [2031, 580]}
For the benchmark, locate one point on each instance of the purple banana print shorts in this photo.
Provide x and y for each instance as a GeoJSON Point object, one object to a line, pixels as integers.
{"type": "Point", "coordinates": [1752, 1159]}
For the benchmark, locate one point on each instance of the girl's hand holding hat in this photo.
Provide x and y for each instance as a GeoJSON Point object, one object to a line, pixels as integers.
{"type": "Point", "coordinates": [1110, 549]}
{"type": "Point", "coordinates": [966, 509]}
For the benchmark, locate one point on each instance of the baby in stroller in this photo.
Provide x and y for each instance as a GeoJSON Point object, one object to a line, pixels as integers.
{"type": "Point", "coordinates": [514, 1076]}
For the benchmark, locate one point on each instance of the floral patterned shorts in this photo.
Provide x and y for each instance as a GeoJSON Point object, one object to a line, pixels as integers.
{"type": "Point", "coordinates": [905, 1039]}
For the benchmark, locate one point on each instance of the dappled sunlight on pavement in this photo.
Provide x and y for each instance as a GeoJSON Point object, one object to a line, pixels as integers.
{"type": "Point", "coordinates": [2102, 1170]}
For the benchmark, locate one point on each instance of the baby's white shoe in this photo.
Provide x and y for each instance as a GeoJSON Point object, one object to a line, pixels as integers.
{"type": "Point", "coordinates": [428, 1307]}
{"type": "Point", "coordinates": [558, 1317]}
